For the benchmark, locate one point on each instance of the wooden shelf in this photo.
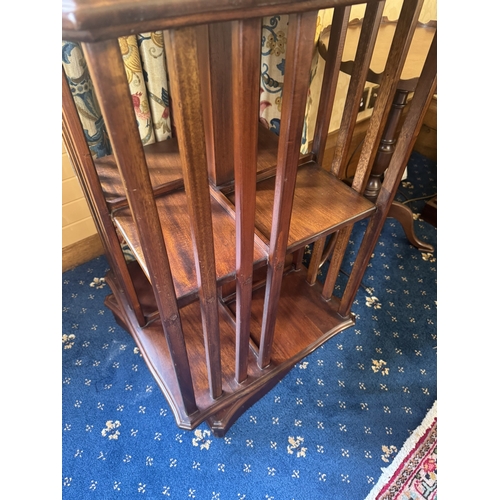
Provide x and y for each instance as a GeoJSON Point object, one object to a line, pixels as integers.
{"type": "Point", "coordinates": [301, 310]}
{"type": "Point", "coordinates": [319, 197]}
{"type": "Point", "coordinates": [164, 169]}
{"type": "Point", "coordinates": [164, 164]}
{"type": "Point", "coordinates": [305, 322]}
{"type": "Point", "coordinates": [174, 219]}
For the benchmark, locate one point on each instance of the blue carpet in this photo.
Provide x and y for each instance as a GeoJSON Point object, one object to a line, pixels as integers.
{"type": "Point", "coordinates": [325, 431]}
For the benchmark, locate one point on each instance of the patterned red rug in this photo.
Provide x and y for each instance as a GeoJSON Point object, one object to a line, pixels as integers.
{"type": "Point", "coordinates": [413, 473]}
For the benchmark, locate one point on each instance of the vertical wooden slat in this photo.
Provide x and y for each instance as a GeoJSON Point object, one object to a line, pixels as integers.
{"type": "Point", "coordinates": [401, 42]}
{"type": "Point", "coordinates": [330, 79]}
{"type": "Point", "coordinates": [423, 96]}
{"type": "Point", "coordinates": [364, 51]}
{"type": "Point", "coordinates": [314, 263]}
{"type": "Point", "coordinates": [81, 157]}
{"type": "Point", "coordinates": [394, 67]}
{"type": "Point", "coordinates": [182, 62]}
{"type": "Point", "coordinates": [246, 71]}
{"type": "Point", "coordinates": [214, 55]}
{"type": "Point", "coordinates": [298, 257]}
{"type": "Point", "coordinates": [110, 80]}
{"type": "Point", "coordinates": [301, 29]}
{"type": "Point", "coordinates": [336, 261]}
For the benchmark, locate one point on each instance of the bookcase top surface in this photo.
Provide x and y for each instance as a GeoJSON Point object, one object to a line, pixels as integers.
{"type": "Point", "coordinates": [95, 20]}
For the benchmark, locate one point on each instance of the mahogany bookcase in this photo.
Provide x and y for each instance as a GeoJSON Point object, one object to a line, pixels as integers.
{"type": "Point", "coordinates": [217, 218]}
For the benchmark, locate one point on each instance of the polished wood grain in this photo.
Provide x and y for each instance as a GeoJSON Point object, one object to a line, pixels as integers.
{"type": "Point", "coordinates": [315, 261]}
{"type": "Point", "coordinates": [301, 30]}
{"type": "Point", "coordinates": [333, 205]}
{"type": "Point", "coordinates": [386, 147]}
{"type": "Point", "coordinates": [246, 74]}
{"type": "Point", "coordinates": [214, 49]}
{"type": "Point", "coordinates": [298, 257]}
{"type": "Point", "coordinates": [183, 64]}
{"type": "Point", "coordinates": [174, 219]}
{"type": "Point", "coordinates": [354, 148]}
{"type": "Point", "coordinates": [301, 310]}
{"type": "Point", "coordinates": [413, 62]}
{"type": "Point", "coordinates": [110, 81]}
{"type": "Point", "coordinates": [79, 152]}
{"type": "Point", "coordinates": [336, 260]}
{"type": "Point", "coordinates": [333, 59]}
{"type": "Point", "coordinates": [144, 290]}
{"type": "Point", "coordinates": [395, 62]}
{"type": "Point", "coordinates": [404, 215]}
{"type": "Point", "coordinates": [164, 168]}
{"type": "Point", "coordinates": [94, 20]}
{"type": "Point", "coordinates": [364, 51]}
{"type": "Point", "coordinates": [311, 314]}
{"type": "Point", "coordinates": [165, 171]}
{"type": "Point", "coordinates": [421, 100]}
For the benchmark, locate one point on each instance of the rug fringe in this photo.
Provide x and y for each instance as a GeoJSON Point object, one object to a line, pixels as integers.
{"type": "Point", "coordinates": [407, 447]}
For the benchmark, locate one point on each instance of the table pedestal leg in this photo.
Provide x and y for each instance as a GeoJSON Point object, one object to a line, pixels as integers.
{"type": "Point", "coordinates": [398, 211]}
{"type": "Point", "coordinates": [404, 216]}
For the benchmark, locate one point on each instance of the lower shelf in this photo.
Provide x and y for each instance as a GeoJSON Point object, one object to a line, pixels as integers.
{"type": "Point", "coordinates": [174, 218]}
{"type": "Point", "coordinates": [305, 322]}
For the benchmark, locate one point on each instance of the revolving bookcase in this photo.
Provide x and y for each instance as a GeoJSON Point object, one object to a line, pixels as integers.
{"type": "Point", "coordinates": [217, 218]}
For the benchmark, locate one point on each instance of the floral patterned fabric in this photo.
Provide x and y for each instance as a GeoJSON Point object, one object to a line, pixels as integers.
{"type": "Point", "coordinates": [137, 85]}
{"type": "Point", "coordinates": [273, 58]}
{"type": "Point", "coordinates": [152, 50]}
{"type": "Point", "coordinates": [274, 40]}
{"type": "Point", "coordinates": [145, 67]}
{"type": "Point", "coordinates": [80, 83]}
{"type": "Point", "coordinates": [147, 75]}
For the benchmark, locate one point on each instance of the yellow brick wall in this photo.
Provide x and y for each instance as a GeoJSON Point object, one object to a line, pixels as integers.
{"type": "Point", "coordinates": [77, 222]}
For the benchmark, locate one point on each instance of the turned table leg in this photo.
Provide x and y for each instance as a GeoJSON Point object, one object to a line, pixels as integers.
{"type": "Point", "coordinates": [398, 211]}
